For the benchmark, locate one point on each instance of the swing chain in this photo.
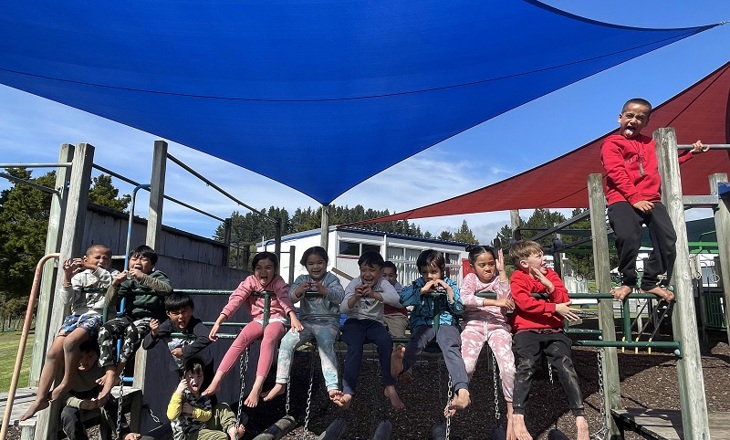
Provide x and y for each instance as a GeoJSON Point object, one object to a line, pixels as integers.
{"type": "Point", "coordinates": [497, 415]}
{"type": "Point", "coordinates": [288, 396]}
{"type": "Point", "coordinates": [309, 394]}
{"type": "Point", "coordinates": [243, 366]}
{"type": "Point", "coordinates": [153, 416]}
{"type": "Point", "coordinates": [448, 402]}
{"type": "Point", "coordinates": [601, 433]}
{"type": "Point", "coordinates": [120, 404]}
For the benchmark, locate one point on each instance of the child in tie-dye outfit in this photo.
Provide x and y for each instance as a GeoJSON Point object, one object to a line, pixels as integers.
{"type": "Point", "coordinates": [320, 317]}
{"type": "Point", "coordinates": [485, 320]}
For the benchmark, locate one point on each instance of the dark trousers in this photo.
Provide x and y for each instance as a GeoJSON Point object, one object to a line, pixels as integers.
{"type": "Point", "coordinates": [529, 348]}
{"type": "Point", "coordinates": [626, 224]}
{"type": "Point", "coordinates": [356, 333]}
{"type": "Point", "coordinates": [449, 341]}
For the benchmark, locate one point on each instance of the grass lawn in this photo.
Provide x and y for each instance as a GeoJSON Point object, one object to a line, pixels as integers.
{"type": "Point", "coordinates": [8, 350]}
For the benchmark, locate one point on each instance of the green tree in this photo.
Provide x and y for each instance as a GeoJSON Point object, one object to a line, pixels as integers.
{"type": "Point", "coordinates": [23, 228]}
{"type": "Point", "coordinates": [465, 235]}
{"type": "Point", "coordinates": [103, 193]}
{"type": "Point", "coordinates": [446, 235]}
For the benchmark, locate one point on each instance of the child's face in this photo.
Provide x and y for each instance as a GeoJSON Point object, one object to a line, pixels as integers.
{"type": "Point", "coordinates": [265, 271]}
{"type": "Point", "coordinates": [370, 275]}
{"type": "Point", "coordinates": [101, 257]}
{"type": "Point", "coordinates": [87, 360]}
{"type": "Point", "coordinates": [390, 275]}
{"type": "Point", "coordinates": [535, 261]}
{"type": "Point", "coordinates": [195, 381]}
{"type": "Point", "coordinates": [430, 273]}
{"type": "Point", "coordinates": [632, 119]}
{"type": "Point", "coordinates": [141, 263]}
{"type": "Point", "coordinates": [181, 318]}
{"type": "Point", "coordinates": [316, 267]}
{"type": "Point", "coordinates": [485, 267]}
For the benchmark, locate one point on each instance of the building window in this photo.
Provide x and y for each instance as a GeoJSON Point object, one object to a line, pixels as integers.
{"type": "Point", "coordinates": [349, 248]}
{"type": "Point", "coordinates": [370, 247]}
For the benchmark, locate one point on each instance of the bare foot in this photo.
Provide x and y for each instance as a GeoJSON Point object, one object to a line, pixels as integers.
{"type": "Point", "coordinates": [335, 396]}
{"type": "Point", "coordinates": [518, 423]}
{"type": "Point", "coordinates": [59, 391]}
{"type": "Point", "coordinates": [458, 403]}
{"type": "Point", "coordinates": [236, 431]}
{"type": "Point", "coordinates": [392, 395]}
{"type": "Point", "coordinates": [661, 293]}
{"type": "Point", "coordinates": [277, 390]}
{"type": "Point", "coordinates": [510, 427]}
{"type": "Point", "coordinates": [582, 424]}
{"type": "Point", "coordinates": [252, 401]}
{"type": "Point", "coordinates": [345, 401]}
{"type": "Point", "coordinates": [396, 362]}
{"type": "Point", "coordinates": [620, 293]}
{"type": "Point", "coordinates": [213, 388]}
{"type": "Point", "coordinates": [37, 405]}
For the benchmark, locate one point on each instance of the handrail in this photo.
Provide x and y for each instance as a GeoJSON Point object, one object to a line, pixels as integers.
{"type": "Point", "coordinates": [23, 341]}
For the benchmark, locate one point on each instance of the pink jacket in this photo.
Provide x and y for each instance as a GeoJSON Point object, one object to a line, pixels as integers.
{"type": "Point", "coordinates": [280, 307]}
{"type": "Point", "coordinates": [473, 308]}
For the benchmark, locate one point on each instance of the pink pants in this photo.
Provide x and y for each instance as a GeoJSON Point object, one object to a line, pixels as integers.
{"type": "Point", "coordinates": [473, 337]}
{"type": "Point", "coordinates": [272, 335]}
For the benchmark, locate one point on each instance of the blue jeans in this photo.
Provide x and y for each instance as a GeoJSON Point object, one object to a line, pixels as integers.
{"type": "Point", "coordinates": [325, 331]}
{"type": "Point", "coordinates": [356, 333]}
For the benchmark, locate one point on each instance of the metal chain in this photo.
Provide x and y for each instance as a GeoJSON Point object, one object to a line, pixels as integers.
{"type": "Point", "coordinates": [152, 415]}
{"type": "Point", "coordinates": [448, 419]}
{"type": "Point", "coordinates": [601, 433]}
{"type": "Point", "coordinates": [309, 394]}
{"type": "Point", "coordinates": [243, 366]}
{"type": "Point", "coordinates": [120, 403]}
{"type": "Point", "coordinates": [552, 389]}
{"type": "Point", "coordinates": [288, 396]}
{"type": "Point", "coordinates": [497, 415]}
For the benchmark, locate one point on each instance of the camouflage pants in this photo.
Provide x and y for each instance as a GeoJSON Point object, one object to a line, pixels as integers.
{"type": "Point", "coordinates": [130, 331]}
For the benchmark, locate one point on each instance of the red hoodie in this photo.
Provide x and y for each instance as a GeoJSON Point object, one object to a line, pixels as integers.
{"type": "Point", "coordinates": [533, 313]}
{"type": "Point", "coordinates": [632, 169]}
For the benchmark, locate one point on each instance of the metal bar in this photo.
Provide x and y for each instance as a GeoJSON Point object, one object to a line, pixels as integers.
{"type": "Point", "coordinates": [630, 344]}
{"type": "Point", "coordinates": [35, 165]}
{"type": "Point", "coordinates": [218, 188]}
{"type": "Point", "coordinates": [595, 296]}
{"type": "Point", "coordinates": [568, 222]}
{"type": "Point", "coordinates": [172, 199]}
{"type": "Point", "coordinates": [45, 189]}
{"type": "Point", "coordinates": [712, 146]}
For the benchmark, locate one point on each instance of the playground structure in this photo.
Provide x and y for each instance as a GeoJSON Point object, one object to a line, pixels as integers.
{"type": "Point", "coordinates": [75, 167]}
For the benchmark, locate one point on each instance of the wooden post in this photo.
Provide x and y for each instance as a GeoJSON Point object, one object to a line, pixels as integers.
{"type": "Point", "coordinates": [48, 284]}
{"type": "Point", "coordinates": [609, 371]}
{"type": "Point", "coordinates": [722, 229]}
{"type": "Point", "coordinates": [324, 235]}
{"type": "Point", "coordinates": [154, 225]}
{"type": "Point", "coordinates": [292, 262]}
{"type": "Point", "coordinates": [684, 320]}
{"type": "Point", "coordinates": [73, 233]}
{"type": "Point", "coordinates": [514, 217]}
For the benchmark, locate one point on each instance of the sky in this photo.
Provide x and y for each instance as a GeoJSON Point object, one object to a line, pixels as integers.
{"type": "Point", "coordinates": [33, 128]}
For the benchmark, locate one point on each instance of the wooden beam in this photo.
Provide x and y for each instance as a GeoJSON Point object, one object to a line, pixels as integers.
{"type": "Point", "coordinates": [684, 320]}
{"type": "Point", "coordinates": [609, 374]}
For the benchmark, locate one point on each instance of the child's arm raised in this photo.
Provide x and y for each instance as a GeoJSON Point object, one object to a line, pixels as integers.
{"type": "Point", "coordinates": [353, 294]}
{"type": "Point", "coordinates": [174, 408]}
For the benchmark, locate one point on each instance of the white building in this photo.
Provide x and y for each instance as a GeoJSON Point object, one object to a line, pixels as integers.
{"type": "Point", "coordinates": [346, 244]}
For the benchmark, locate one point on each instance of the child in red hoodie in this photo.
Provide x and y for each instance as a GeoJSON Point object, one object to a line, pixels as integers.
{"type": "Point", "coordinates": [633, 195]}
{"type": "Point", "coordinates": [538, 327]}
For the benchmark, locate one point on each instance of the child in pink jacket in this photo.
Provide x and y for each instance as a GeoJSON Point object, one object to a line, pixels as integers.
{"type": "Point", "coordinates": [265, 277]}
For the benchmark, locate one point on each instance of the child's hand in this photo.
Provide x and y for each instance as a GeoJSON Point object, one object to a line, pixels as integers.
{"type": "Point", "coordinates": [154, 327]}
{"type": "Point", "coordinates": [428, 287]}
{"type": "Point", "coordinates": [698, 147]}
{"type": "Point", "coordinates": [499, 263]}
{"type": "Point", "coordinates": [187, 408]}
{"type": "Point", "coordinates": [177, 352]}
{"type": "Point", "coordinates": [317, 287]}
{"type": "Point", "coordinates": [135, 273]}
{"type": "Point", "coordinates": [296, 325]}
{"type": "Point", "coordinates": [644, 206]}
{"type": "Point", "coordinates": [88, 404]}
{"type": "Point", "coordinates": [182, 386]}
{"type": "Point", "coordinates": [120, 278]}
{"type": "Point", "coordinates": [564, 310]}
{"type": "Point", "coordinates": [540, 276]}
{"type": "Point", "coordinates": [72, 266]}
{"type": "Point", "coordinates": [509, 303]}
{"type": "Point", "coordinates": [213, 335]}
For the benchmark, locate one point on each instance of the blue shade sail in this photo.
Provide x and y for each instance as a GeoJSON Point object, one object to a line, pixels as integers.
{"type": "Point", "coordinates": [318, 95]}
